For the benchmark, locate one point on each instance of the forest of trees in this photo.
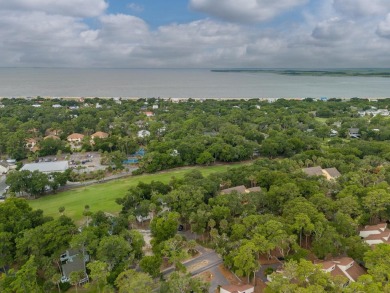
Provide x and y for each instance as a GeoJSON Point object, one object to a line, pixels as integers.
{"type": "Point", "coordinates": [297, 215]}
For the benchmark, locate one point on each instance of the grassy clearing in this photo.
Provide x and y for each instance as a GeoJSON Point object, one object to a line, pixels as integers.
{"type": "Point", "coordinates": [102, 196]}
{"type": "Point", "coordinates": [322, 120]}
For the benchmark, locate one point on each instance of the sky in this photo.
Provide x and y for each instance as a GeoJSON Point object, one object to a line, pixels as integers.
{"type": "Point", "coordinates": [195, 33]}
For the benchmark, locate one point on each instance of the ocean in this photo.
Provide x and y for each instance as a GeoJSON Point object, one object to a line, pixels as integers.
{"type": "Point", "coordinates": [182, 83]}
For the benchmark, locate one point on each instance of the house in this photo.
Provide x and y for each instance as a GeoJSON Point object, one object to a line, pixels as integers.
{"type": "Point", "coordinates": [51, 137]}
{"type": "Point", "coordinates": [73, 261]}
{"type": "Point", "coordinates": [53, 131]}
{"type": "Point", "coordinates": [333, 133]}
{"type": "Point", "coordinates": [375, 234]}
{"type": "Point", "coordinates": [240, 189]}
{"type": "Point", "coordinates": [143, 133]}
{"type": "Point", "coordinates": [149, 114]}
{"type": "Point", "coordinates": [237, 289]}
{"type": "Point", "coordinates": [4, 167]}
{"type": "Point", "coordinates": [155, 107]}
{"type": "Point", "coordinates": [353, 132]}
{"type": "Point", "coordinates": [75, 137]}
{"type": "Point", "coordinates": [329, 173]}
{"type": "Point", "coordinates": [56, 106]}
{"type": "Point", "coordinates": [140, 123]}
{"type": "Point", "coordinates": [31, 144]}
{"type": "Point", "coordinates": [47, 167]}
{"type": "Point", "coordinates": [343, 266]}
{"type": "Point", "coordinates": [313, 171]}
{"type": "Point", "coordinates": [99, 134]}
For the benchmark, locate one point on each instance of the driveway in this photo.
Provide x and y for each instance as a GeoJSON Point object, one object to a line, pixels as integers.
{"type": "Point", "coordinates": [3, 186]}
{"type": "Point", "coordinates": [260, 273]}
{"type": "Point", "coordinates": [207, 261]}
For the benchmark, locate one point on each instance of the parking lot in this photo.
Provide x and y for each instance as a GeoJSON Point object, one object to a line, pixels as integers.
{"type": "Point", "coordinates": [87, 162]}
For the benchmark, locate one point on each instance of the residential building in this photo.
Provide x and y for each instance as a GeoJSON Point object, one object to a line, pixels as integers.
{"type": "Point", "coordinates": [75, 137]}
{"type": "Point", "coordinates": [4, 167]}
{"type": "Point", "coordinates": [240, 189]}
{"type": "Point", "coordinates": [73, 261]}
{"type": "Point", "coordinates": [149, 114]}
{"type": "Point", "coordinates": [345, 267]}
{"type": "Point", "coordinates": [53, 131]}
{"type": "Point", "coordinates": [143, 133]}
{"type": "Point", "coordinates": [51, 137]}
{"type": "Point", "coordinates": [31, 144]}
{"type": "Point", "coordinates": [375, 234]}
{"type": "Point", "coordinates": [99, 134]}
{"type": "Point", "coordinates": [329, 173]}
{"type": "Point", "coordinates": [353, 133]}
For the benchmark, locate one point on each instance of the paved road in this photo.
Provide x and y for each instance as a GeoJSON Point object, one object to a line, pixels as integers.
{"type": "Point", "coordinates": [211, 262]}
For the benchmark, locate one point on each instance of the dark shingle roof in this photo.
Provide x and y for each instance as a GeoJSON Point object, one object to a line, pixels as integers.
{"type": "Point", "coordinates": [313, 171]}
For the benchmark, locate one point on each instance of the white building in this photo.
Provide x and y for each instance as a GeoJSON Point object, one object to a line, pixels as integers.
{"type": "Point", "coordinates": [47, 167]}
{"type": "Point", "coordinates": [143, 133]}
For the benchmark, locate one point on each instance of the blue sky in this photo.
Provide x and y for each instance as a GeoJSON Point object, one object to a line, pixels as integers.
{"type": "Point", "coordinates": [156, 12]}
{"type": "Point", "coordinates": [195, 33]}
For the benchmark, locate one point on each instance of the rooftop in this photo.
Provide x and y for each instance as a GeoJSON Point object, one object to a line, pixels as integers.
{"type": "Point", "coordinates": [239, 189]}
{"type": "Point", "coordinates": [47, 167]}
{"type": "Point", "coordinates": [313, 171]}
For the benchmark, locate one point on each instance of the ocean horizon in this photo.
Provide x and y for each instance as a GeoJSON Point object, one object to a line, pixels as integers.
{"type": "Point", "coordinates": [184, 83]}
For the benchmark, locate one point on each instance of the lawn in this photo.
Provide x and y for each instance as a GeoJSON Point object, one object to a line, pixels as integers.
{"type": "Point", "coordinates": [322, 120]}
{"type": "Point", "coordinates": [102, 196]}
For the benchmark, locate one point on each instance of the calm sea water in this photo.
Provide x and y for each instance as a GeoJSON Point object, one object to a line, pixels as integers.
{"type": "Point", "coordinates": [182, 83]}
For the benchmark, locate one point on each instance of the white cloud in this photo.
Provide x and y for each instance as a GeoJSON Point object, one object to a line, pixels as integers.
{"type": "Point", "coordinates": [334, 29]}
{"type": "Point", "coordinates": [358, 8]}
{"type": "Point", "coordinates": [383, 29]}
{"type": "Point", "coordinates": [79, 8]}
{"type": "Point", "coordinates": [244, 10]}
{"type": "Point", "coordinates": [331, 39]}
{"type": "Point", "coordinates": [135, 7]}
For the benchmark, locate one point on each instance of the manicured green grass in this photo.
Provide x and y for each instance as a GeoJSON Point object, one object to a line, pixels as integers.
{"type": "Point", "coordinates": [102, 196]}
{"type": "Point", "coordinates": [322, 120]}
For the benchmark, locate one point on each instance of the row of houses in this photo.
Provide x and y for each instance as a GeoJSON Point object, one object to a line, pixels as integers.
{"type": "Point", "coordinates": [375, 234]}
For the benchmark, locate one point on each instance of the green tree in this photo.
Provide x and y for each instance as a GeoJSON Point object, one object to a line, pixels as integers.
{"type": "Point", "coordinates": [26, 278]}
{"type": "Point", "coordinates": [184, 283]}
{"type": "Point", "coordinates": [245, 261]}
{"type": "Point", "coordinates": [113, 250]}
{"type": "Point", "coordinates": [377, 202]}
{"type": "Point", "coordinates": [377, 261]}
{"type": "Point", "coordinates": [165, 226]}
{"type": "Point", "coordinates": [151, 264]}
{"type": "Point", "coordinates": [98, 273]}
{"type": "Point", "coordinates": [6, 248]}
{"type": "Point", "coordinates": [75, 278]}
